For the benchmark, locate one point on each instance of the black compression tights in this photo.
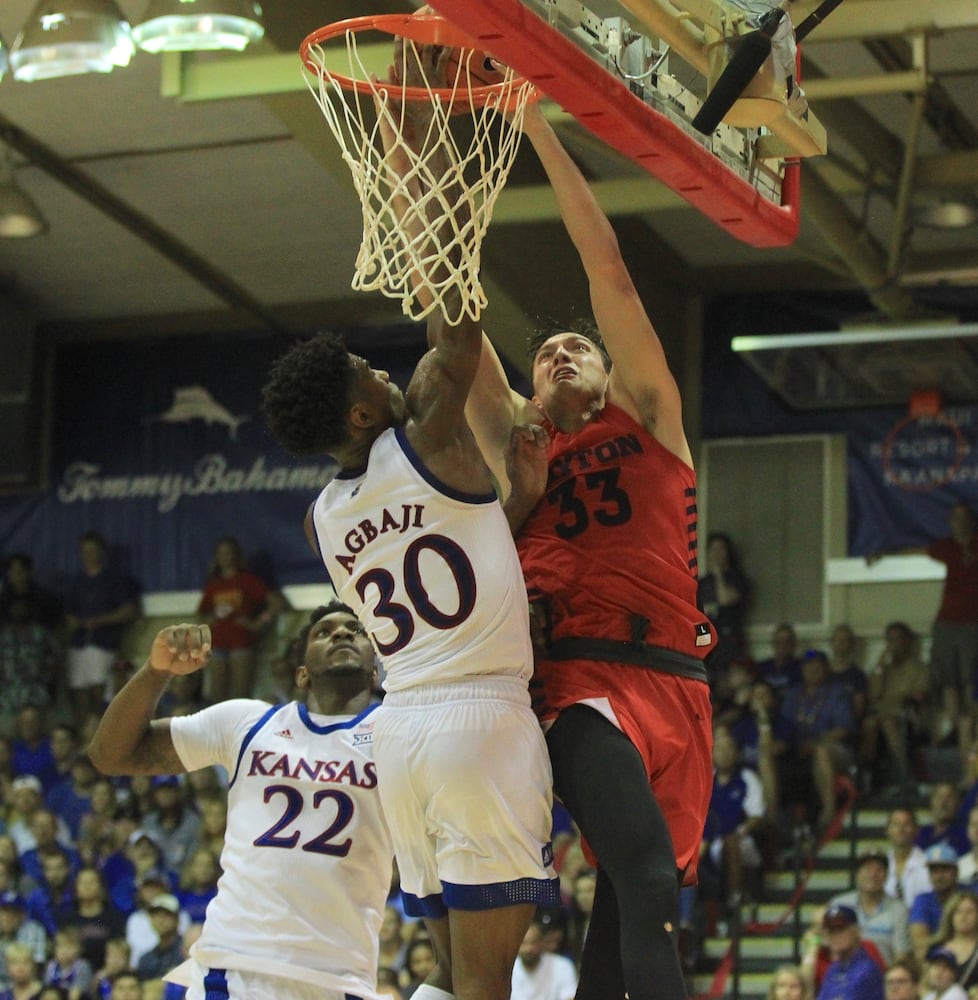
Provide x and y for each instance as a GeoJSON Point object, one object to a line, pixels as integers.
{"type": "Point", "coordinates": [601, 778]}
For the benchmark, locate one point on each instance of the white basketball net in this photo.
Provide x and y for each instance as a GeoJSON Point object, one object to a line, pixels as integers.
{"type": "Point", "coordinates": [408, 217]}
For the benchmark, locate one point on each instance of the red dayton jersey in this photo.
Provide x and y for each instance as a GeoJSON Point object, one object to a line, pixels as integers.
{"type": "Point", "coordinates": [615, 537]}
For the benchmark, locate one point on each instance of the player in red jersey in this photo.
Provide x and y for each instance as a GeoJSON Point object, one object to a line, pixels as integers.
{"type": "Point", "coordinates": [608, 548]}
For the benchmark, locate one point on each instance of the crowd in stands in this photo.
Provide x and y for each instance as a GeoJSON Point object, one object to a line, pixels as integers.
{"type": "Point", "coordinates": [104, 882]}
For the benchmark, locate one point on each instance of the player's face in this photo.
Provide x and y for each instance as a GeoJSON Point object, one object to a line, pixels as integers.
{"type": "Point", "coordinates": [375, 391]}
{"type": "Point", "coordinates": [339, 644]}
{"type": "Point", "coordinates": [568, 363]}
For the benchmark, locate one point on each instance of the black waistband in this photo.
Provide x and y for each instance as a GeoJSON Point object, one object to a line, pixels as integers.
{"type": "Point", "coordinates": [636, 654]}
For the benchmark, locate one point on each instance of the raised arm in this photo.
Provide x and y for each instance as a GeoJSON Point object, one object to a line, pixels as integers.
{"type": "Point", "coordinates": [128, 739]}
{"type": "Point", "coordinates": [641, 382]}
{"type": "Point", "coordinates": [491, 408]}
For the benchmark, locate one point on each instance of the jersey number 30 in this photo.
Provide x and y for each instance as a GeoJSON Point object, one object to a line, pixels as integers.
{"type": "Point", "coordinates": [422, 606]}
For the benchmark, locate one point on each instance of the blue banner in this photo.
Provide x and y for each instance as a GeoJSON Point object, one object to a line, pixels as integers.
{"type": "Point", "coordinates": [160, 446]}
{"type": "Point", "coordinates": [905, 473]}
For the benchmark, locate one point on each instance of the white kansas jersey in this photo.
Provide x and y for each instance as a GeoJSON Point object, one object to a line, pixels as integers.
{"type": "Point", "coordinates": [432, 572]}
{"type": "Point", "coordinates": [307, 853]}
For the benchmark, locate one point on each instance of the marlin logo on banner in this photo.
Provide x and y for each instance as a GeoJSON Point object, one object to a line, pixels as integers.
{"type": "Point", "coordinates": [194, 402]}
{"type": "Point", "coordinates": [164, 464]}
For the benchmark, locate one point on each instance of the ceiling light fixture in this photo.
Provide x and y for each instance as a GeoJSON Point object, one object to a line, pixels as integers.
{"type": "Point", "coordinates": [68, 37]}
{"type": "Point", "coordinates": [19, 216]}
{"type": "Point", "coordinates": [199, 25]}
{"type": "Point", "coordinates": [950, 214]}
{"type": "Point", "coordinates": [885, 335]}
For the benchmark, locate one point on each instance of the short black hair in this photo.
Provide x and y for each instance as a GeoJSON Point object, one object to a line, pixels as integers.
{"type": "Point", "coordinates": [908, 633]}
{"type": "Point", "coordinates": [308, 395]}
{"type": "Point", "coordinates": [582, 326]}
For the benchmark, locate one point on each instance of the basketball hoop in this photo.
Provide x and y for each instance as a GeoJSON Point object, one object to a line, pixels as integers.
{"type": "Point", "coordinates": [405, 187]}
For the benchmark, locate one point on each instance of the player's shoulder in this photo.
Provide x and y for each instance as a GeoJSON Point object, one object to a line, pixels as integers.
{"type": "Point", "coordinates": [233, 712]}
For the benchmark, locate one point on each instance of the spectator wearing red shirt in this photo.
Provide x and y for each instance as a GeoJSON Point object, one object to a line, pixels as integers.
{"type": "Point", "coordinates": [954, 645]}
{"type": "Point", "coordinates": [238, 606]}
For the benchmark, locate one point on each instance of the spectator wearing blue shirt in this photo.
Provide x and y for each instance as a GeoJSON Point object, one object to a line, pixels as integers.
{"type": "Point", "coordinates": [53, 903]}
{"type": "Point", "coordinates": [100, 603]}
{"type": "Point", "coordinates": [71, 798]}
{"type": "Point", "coordinates": [852, 975]}
{"type": "Point", "coordinates": [144, 857]}
{"type": "Point", "coordinates": [737, 808]}
{"type": "Point", "coordinates": [49, 832]}
{"type": "Point", "coordinates": [927, 909]}
{"type": "Point", "coordinates": [31, 748]}
{"type": "Point", "coordinates": [818, 717]}
{"type": "Point", "coordinates": [64, 746]}
{"type": "Point", "coordinates": [172, 822]}
{"type": "Point", "coordinates": [198, 884]}
{"type": "Point", "coordinates": [783, 669]}
{"type": "Point", "coordinates": [948, 826]}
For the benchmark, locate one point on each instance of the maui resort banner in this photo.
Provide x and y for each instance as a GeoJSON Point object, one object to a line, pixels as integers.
{"type": "Point", "coordinates": [904, 471]}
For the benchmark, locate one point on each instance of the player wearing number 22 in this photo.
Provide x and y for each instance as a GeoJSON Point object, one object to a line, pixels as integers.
{"type": "Point", "coordinates": [414, 538]}
{"type": "Point", "coordinates": [307, 853]}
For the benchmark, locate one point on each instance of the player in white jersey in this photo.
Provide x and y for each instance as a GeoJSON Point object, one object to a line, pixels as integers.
{"type": "Point", "coordinates": [307, 854]}
{"type": "Point", "coordinates": [414, 538]}
{"type": "Point", "coordinates": [424, 560]}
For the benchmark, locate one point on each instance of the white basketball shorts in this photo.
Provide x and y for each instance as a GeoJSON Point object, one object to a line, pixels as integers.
{"type": "Point", "coordinates": [466, 786]}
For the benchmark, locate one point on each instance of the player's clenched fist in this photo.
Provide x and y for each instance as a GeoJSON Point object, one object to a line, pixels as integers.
{"type": "Point", "coordinates": [181, 649]}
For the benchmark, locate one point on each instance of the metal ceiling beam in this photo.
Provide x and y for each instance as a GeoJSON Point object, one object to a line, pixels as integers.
{"type": "Point", "coordinates": [187, 78]}
{"type": "Point", "coordinates": [859, 19]}
{"type": "Point", "coordinates": [140, 225]}
{"type": "Point", "coordinates": [865, 259]}
{"type": "Point", "coordinates": [190, 79]}
{"type": "Point", "coordinates": [948, 170]}
{"type": "Point", "coordinates": [879, 148]}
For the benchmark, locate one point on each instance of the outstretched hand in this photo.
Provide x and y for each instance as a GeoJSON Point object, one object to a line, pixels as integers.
{"type": "Point", "coordinates": [181, 649]}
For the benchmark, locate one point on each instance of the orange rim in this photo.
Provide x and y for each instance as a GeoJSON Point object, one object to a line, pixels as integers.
{"type": "Point", "coordinates": [427, 29]}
